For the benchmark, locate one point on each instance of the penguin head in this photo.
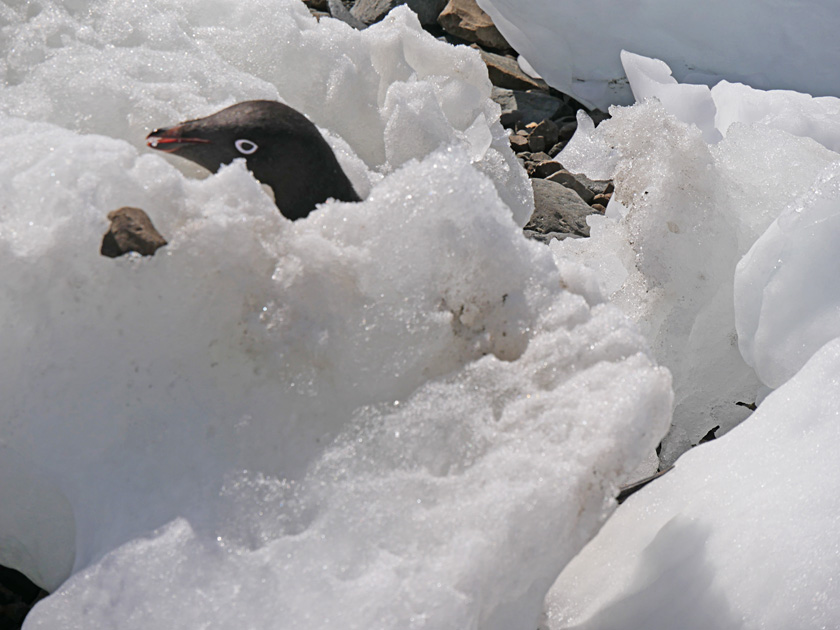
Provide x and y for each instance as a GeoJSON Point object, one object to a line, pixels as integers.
{"type": "Point", "coordinates": [281, 147]}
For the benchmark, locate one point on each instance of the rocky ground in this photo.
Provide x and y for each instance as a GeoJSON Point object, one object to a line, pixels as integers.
{"type": "Point", "coordinates": [540, 119]}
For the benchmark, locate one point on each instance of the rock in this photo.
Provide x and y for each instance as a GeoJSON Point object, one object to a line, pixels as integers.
{"type": "Point", "coordinates": [340, 12]}
{"type": "Point", "coordinates": [572, 183]}
{"type": "Point", "coordinates": [547, 130]}
{"type": "Point", "coordinates": [543, 169]}
{"type": "Point", "coordinates": [525, 107]}
{"type": "Point", "coordinates": [597, 207]}
{"type": "Point", "coordinates": [317, 5]}
{"type": "Point", "coordinates": [370, 11]}
{"type": "Point", "coordinates": [537, 143]}
{"type": "Point", "coordinates": [518, 143]}
{"type": "Point", "coordinates": [557, 209]}
{"type": "Point", "coordinates": [602, 199]}
{"type": "Point", "coordinates": [465, 19]}
{"type": "Point", "coordinates": [505, 72]}
{"type": "Point", "coordinates": [131, 231]}
{"type": "Point", "coordinates": [547, 238]}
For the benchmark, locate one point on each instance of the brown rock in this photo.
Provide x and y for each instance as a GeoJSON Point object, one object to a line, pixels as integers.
{"type": "Point", "coordinates": [131, 231]}
{"type": "Point", "coordinates": [518, 143]}
{"type": "Point", "coordinates": [318, 5]}
{"type": "Point", "coordinates": [505, 73]}
{"type": "Point", "coordinates": [602, 199]}
{"type": "Point", "coordinates": [465, 19]}
{"type": "Point", "coordinates": [597, 207]}
{"type": "Point", "coordinates": [541, 170]}
{"type": "Point", "coordinates": [568, 180]}
{"type": "Point", "coordinates": [548, 130]}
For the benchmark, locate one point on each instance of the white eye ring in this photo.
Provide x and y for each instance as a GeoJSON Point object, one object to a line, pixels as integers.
{"type": "Point", "coordinates": [245, 147]}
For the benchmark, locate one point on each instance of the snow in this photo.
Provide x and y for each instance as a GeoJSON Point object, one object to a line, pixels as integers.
{"type": "Point", "coordinates": [575, 45]}
{"type": "Point", "coordinates": [684, 214]}
{"type": "Point", "coordinates": [741, 534]}
{"type": "Point", "coordinates": [396, 413]}
{"type": "Point", "coordinates": [721, 237]}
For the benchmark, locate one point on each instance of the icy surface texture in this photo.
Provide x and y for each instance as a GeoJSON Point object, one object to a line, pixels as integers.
{"type": "Point", "coordinates": [575, 45]}
{"type": "Point", "coordinates": [393, 414]}
{"type": "Point", "coordinates": [742, 534]}
{"type": "Point", "coordinates": [786, 292]}
{"type": "Point", "coordinates": [683, 215]}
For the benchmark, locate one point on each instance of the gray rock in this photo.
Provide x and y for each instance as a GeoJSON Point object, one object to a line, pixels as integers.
{"type": "Point", "coordinates": [131, 231]}
{"type": "Point", "coordinates": [370, 11]}
{"type": "Point", "coordinates": [557, 209]}
{"type": "Point", "coordinates": [550, 236]}
{"type": "Point", "coordinates": [465, 19]}
{"type": "Point", "coordinates": [505, 72]}
{"type": "Point", "coordinates": [525, 107]}
{"type": "Point", "coordinates": [340, 12]}
{"type": "Point", "coordinates": [572, 183]}
{"type": "Point", "coordinates": [548, 131]}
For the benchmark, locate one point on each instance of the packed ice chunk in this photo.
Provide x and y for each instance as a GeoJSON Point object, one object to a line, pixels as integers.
{"type": "Point", "coordinates": [786, 293]}
{"type": "Point", "coordinates": [714, 110]}
{"type": "Point", "coordinates": [575, 45]}
{"type": "Point", "coordinates": [741, 534]}
{"type": "Point", "coordinates": [683, 214]}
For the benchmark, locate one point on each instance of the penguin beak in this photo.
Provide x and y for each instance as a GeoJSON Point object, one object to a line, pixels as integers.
{"type": "Point", "coordinates": [170, 140]}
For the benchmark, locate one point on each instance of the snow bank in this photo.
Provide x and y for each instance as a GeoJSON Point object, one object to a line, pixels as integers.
{"type": "Point", "coordinates": [384, 416]}
{"type": "Point", "coordinates": [575, 46]}
{"type": "Point", "coordinates": [684, 213]}
{"type": "Point", "coordinates": [741, 534]}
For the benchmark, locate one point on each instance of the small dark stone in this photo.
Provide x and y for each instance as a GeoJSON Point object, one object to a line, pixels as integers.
{"type": "Point", "coordinates": [370, 11]}
{"type": "Point", "coordinates": [571, 182]}
{"type": "Point", "coordinates": [522, 108]}
{"type": "Point", "coordinates": [609, 188]}
{"type": "Point", "coordinates": [602, 199]}
{"type": "Point", "coordinates": [555, 150]}
{"type": "Point", "coordinates": [537, 143]}
{"type": "Point", "coordinates": [131, 231]}
{"type": "Point", "coordinates": [543, 169]}
{"type": "Point", "coordinates": [318, 5]}
{"type": "Point", "coordinates": [557, 209]}
{"type": "Point", "coordinates": [566, 132]}
{"type": "Point", "coordinates": [518, 143]}
{"type": "Point", "coordinates": [597, 207]}
{"type": "Point", "coordinates": [540, 157]}
{"type": "Point", "coordinates": [548, 130]}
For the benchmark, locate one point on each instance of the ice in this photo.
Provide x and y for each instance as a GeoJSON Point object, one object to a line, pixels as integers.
{"type": "Point", "coordinates": [741, 534]}
{"type": "Point", "coordinates": [786, 293]}
{"type": "Point", "coordinates": [575, 45]}
{"type": "Point", "coordinates": [691, 199]}
{"type": "Point", "coordinates": [397, 413]}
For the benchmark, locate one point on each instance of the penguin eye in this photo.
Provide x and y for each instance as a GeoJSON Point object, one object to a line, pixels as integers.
{"type": "Point", "coordinates": [245, 147]}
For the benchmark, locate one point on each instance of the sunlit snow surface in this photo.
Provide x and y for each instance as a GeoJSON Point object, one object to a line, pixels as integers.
{"type": "Point", "coordinates": [722, 235]}
{"type": "Point", "coordinates": [393, 414]}
{"type": "Point", "coordinates": [772, 44]}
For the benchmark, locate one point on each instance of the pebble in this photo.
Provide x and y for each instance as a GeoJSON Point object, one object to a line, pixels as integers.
{"type": "Point", "coordinates": [557, 209]}
{"type": "Point", "coordinates": [505, 73]}
{"type": "Point", "coordinates": [131, 230]}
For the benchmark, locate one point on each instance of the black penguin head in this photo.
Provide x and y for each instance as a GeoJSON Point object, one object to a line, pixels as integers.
{"type": "Point", "coordinates": [281, 147]}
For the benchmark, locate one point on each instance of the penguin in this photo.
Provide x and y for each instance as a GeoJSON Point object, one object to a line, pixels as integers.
{"type": "Point", "coordinates": [281, 147]}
